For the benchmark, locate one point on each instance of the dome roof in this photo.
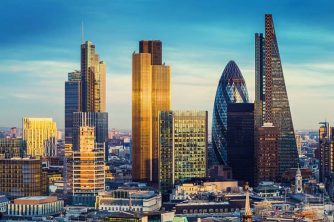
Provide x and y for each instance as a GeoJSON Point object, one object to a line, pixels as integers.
{"type": "Point", "coordinates": [232, 73]}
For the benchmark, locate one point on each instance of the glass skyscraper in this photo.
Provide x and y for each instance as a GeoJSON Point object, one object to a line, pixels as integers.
{"type": "Point", "coordinates": [271, 98]}
{"type": "Point", "coordinates": [72, 102]}
{"type": "Point", "coordinates": [231, 89]}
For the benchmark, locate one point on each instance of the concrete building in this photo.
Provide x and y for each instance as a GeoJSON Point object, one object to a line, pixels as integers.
{"type": "Point", "coordinates": [129, 199]}
{"type": "Point", "coordinates": [38, 206]}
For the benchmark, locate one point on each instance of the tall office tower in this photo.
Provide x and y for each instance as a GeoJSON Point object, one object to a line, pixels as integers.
{"type": "Point", "coordinates": [40, 136]}
{"type": "Point", "coordinates": [271, 99]}
{"type": "Point", "coordinates": [93, 80]}
{"type": "Point", "coordinates": [22, 177]}
{"type": "Point", "coordinates": [326, 151]}
{"type": "Point", "coordinates": [72, 102]}
{"type": "Point", "coordinates": [183, 146]}
{"type": "Point", "coordinates": [88, 175]}
{"type": "Point", "coordinates": [12, 147]}
{"type": "Point", "coordinates": [150, 95]}
{"type": "Point", "coordinates": [240, 141]}
{"type": "Point", "coordinates": [266, 153]}
{"type": "Point", "coordinates": [98, 120]}
{"type": "Point", "coordinates": [231, 89]}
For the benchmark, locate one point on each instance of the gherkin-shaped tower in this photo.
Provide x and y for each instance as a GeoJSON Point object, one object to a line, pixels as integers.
{"type": "Point", "coordinates": [231, 89]}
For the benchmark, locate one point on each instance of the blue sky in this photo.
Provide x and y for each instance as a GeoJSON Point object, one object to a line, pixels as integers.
{"type": "Point", "coordinates": [40, 44]}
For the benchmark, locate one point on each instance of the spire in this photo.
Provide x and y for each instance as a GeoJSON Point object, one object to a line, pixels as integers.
{"type": "Point", "coordinates": [247, 216]}
{"type": "Point", "coordinates": [82, 33]}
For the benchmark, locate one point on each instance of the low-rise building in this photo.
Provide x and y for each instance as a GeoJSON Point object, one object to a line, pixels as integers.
{"type": "Point", "coordinates": [129, 199]}
{"type": "Point", "coordinates": [3, 204]}
{"type": "Point", "coordinates": [38, 206]}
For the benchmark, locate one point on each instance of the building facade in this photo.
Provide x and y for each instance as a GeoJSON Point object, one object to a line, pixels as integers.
{"type": "Point", "coordinates": [12, 147]}
{"type": "Point", "coordinates": [72, 102]}
{"type": "Point", "coordinates": [271, 99]}
{"type": "Point", "coordinates": [40, 136]}
{"type": "Point", "coordinates": [231, 89]}
{"type": "Point", "coordinates": [129, 199]}
{"type": "Point", "coordinates": [22, 177]}
{"type": "Point", "coordinates": [150, 94]}
{"type": "Point", "coordinates": [93, 80]}
{"type": "Point", "coordinates": [32, 207]}
{"type": "Point", "coordinates": [98, 120]}
{"type": "Point", "coordinates": [266, 153]}
{"type": "Point", "coordinates": [183, 146]}
{"type": "Point", "coordinates": [88, 174]}
{"type": "Point", "coordinates": [240, 141]}
{"type": "Point", "coordinates": [326, 152]}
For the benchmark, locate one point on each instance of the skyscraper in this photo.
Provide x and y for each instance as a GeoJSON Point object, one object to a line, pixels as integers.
{"type": "Point", "coordinates": [240, 141]}
{"type": "Point", "coordinates": [150, 95]}
{"type": "Point", "coordinates": [88, 176]}
{"type": "Point", "coordinates": [40, 136]}
{"type": "Point", "coordinates": [97, 120]}
{"type": "Point", "coordinates": [271, 99]}
{"type": "Point", "coordinates": [183, 146]}
{"type": "Point", "coordinates": [93, 80]}
{"type": "Point", "coordinates": [72, 102]}
{"type": "Point", "coordinates": [231, 89]}
{"type": "Point", "coordinates": [326, 151]}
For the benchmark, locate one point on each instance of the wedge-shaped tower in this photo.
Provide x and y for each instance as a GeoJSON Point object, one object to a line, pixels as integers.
{"type": "Point", "coordinates": [271, 98]}
{"type": "Point", "coordinates": [231, 89]}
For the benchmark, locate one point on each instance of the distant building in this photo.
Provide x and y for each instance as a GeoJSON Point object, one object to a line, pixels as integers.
{"type": "Point", "coordinates": [12, 147]}
{"type": "Point", "coordinates": [30, 208]}
{"type": "Point", "coordinates": [183, 146]}
{"type": "Point", "coordinates": [40, 135]}
{"type": "Point", "coordinates": [129, 199]}
{"type": "Point", "coordinates": [3, 204]}
{"type": "Point", "coordinates": [88, 174]}
{"type": "Point", "coordinates": [22, 177]}
{"type": "Point", "coordinates": [326, 152]}
{"type": "Point", "coordinates": [299, 143]}
{"type": "Point", "coordinates": [240, 141]}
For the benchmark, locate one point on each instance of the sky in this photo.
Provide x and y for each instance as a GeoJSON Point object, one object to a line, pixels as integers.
{"type": "Point", "coordinates": [40, 43]}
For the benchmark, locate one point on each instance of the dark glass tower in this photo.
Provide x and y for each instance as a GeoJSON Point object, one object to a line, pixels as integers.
{"type": "Point", "coordinates": [240, 141]}
{"type": "Point", "coordinates": [72, 102]}
{"type": "Point", "coordinates": [271, 98]}
{"type": "Point", "coordinates": [231, 89]}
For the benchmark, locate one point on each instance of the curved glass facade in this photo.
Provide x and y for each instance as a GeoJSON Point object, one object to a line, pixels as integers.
{"type": "Point", "coordinates": [231, 89]}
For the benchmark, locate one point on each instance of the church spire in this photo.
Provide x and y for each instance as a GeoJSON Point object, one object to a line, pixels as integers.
{"type": "Point", "coordinates": [247, 216]}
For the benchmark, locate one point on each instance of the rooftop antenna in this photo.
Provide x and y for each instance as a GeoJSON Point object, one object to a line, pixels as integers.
{"type": "Point", "coordinates": [82, 32]}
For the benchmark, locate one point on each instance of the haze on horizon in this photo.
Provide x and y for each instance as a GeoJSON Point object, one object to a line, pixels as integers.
{"type": "Point", "coordinates": [41, 44]}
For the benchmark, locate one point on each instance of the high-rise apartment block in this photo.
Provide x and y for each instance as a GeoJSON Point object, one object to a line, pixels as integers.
{"type": "Point", "coordinates": [22, 177]}
{"type": "Point", "coordinates": [72, 102]}
{"type": "Point", "coordinates": [271, 99]}
{"type": "Point", "coordinates": [183, 146]}
{"type": "Point", "coordinates": [40, 136]}
{"type": "Point", "coordinates": [240, 141]}
{"type": "Point", "coordinates": [150, 95]}
{"type": "Point", "coordinates": [88, 175]}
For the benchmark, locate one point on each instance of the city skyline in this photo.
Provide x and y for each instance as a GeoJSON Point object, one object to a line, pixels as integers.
{"type": "Point", "coordinates": [197, 50]}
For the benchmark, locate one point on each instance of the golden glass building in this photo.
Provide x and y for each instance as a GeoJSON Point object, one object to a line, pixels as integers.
{"type": "Point", "coordinates": [150, 95]}
{"type": "Point", "coordinates": [88, 175]}
{"type": "Point", "coordinates": [40, 136]}
{"type": "Point", "coordinates": [93, 79]}
{"type": "Point", "coordinates": [183, 142]}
